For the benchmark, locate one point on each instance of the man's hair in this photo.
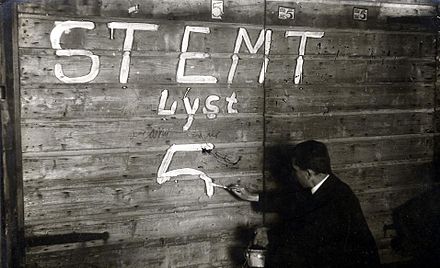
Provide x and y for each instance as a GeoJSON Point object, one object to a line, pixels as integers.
{"type": "Point", "coordinates": [312, 155]}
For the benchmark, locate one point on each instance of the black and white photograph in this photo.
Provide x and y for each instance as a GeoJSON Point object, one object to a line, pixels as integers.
{"type": "Point", "coordinates": [219, 133]}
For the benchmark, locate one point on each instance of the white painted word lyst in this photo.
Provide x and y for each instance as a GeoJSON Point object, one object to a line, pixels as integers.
{"type": "Point", "coordinates": [265, 38]}
{"type": "Point", "coordinates": [210, 109]}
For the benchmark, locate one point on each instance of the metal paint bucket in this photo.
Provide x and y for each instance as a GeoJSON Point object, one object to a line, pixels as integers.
{"type": "Point", "coordinates": [255, 257]}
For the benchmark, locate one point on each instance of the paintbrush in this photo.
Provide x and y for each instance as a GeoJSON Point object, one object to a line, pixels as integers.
{"type": "Point", "coordinates": [220, 186]}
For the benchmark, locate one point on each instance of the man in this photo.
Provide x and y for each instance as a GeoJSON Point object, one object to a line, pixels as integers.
{"type": "Point", "coordinates": [324, 228]}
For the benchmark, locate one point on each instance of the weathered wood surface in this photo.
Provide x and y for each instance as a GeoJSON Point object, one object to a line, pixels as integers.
{"type": "Point", "coordinates": [106, 182]}
{"type": "Point", "coordinates": [362, 115]}
{"type": "Point", "coordinates": [339, 99]}
{"type": "Point", "coordinates": [103, 134]}
{"type": "Point", "coordinates": [208, 251]}
{"type": "Point", "coordinates": [91, 151]}
{"type": "Point", "coordinates": [374, 164]}
{"type": "Point", "coordinates": [168, 38]}
{"type": "Point", "coordinates": [280, 70]}
{"type": "Point", "coordinates": [105, 101]}
{"type": "Point", "coordinates": [436, 146]}
{"type": "Point", "coordinates": [381, 15]}
{"type": "Point", "coordinates": [61, 169]}
{"type": "Point", "coordinates": [342, 126]}
{"type": "Point", "coordinates": [159, 68]}
{"type": "Point", "coordinates": [77, 101]}
{"type": "Point", "coordinates": [398, 15]}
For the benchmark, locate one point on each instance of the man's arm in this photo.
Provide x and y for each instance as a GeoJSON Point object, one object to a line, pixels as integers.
{"type": "Point", "coordinates": [274, 201]}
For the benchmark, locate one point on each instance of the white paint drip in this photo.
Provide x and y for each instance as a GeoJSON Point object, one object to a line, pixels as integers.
{"type": "Point", "coordinates": [163, 175]}
{"type": "Point", "coordinates": [128, 43]}
{"type": "Point", "coordinates": [302, 48]}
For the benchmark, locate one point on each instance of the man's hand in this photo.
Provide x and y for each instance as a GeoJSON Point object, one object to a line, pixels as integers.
{"type": "Point", "coordinates": [242, 193]}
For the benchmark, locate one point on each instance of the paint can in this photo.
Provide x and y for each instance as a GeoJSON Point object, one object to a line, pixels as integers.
{"type": "Point", "coordinates": [255, 257]}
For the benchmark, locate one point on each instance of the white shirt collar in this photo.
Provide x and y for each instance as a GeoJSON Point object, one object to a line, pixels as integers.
{"type": "Point", "coordinates": [316, 187]}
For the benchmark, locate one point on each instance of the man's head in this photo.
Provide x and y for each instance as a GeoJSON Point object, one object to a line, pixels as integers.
{"type": "Point", "coordinates": [310, 162]}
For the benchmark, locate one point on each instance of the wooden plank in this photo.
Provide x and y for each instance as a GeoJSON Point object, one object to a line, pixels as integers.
{"type": "Point", "coordinates": [384, 201]}
{"type": "Point", "coordinates": [298, 99]}
{"type": "Point", "coordinates": [355, 43]}
{"type": "Point", "coordinates": [125, 202]}
{"type": "Point", "coordinates": [11, 178]}
{"type": "Point", "coordinates": [339, 15]}
{"type": "Point", "coordinates": [378, 176]}
{"type": "Point", "coordinates": [160, 68]}
{"type": "Point", "coordinates": [168, 37]}
{"type": "Point", "coordinates": [96, 168]}
{"type": "Point", "coordinates": [164, 225]}
{"type": "Point", "coordinates": [5, 255]}
{"type": "Point", "coordinates": [382, 149]}
{"type": "Point", "coordinates": [222, 38]}
{"type": "Point", "coordinates": [105, 101]}
{"type": "Point", "coordinates": [238, 11]}
{"type": "Point", "coordinates": [218, 248]}
{"type": "Point", "coordinates": [308, 13]}
{"type": "Point", "coordinates": [370, 2]}
{"type": "Point", "coordinates": [349, 70]}
{"type": "Point", "coordinates": [283, 128]}
{"type": "Point", "coordinates": [387, 176]}
{"type": "Point", "coordinates": [66, 7]}
{"type": "Point", "coordinates": [141, 133]}
{"type": "Point", "coordinates": [39, 69]}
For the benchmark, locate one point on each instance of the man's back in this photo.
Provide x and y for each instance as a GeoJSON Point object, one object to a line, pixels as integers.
{"type": "Point", "coordinates": [329, 230]}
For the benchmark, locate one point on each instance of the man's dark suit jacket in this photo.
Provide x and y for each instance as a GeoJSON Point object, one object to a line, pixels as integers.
{"type": "Point", "coordinates": [326, 229]}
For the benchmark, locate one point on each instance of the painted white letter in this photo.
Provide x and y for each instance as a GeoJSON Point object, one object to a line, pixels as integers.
{"type": "Point", "coordinates": [231, 102]}
{"type": "Point", "coordinates": [243, 35]}
{"type": "Point", "coordinates": [302, 48]}
{"type": "Point", "coordinates": [128, 43]}
{"type": "Point", "coordinates": [163, 175]}
{"type": "Point", "coordinates": [210, 110]}
{"type": "Point", "coordinates": [266, 58]}
{"type": "Point", "coordinates": [163, 100]}
{"type": "Point", "coordinates": [60, 28]}
{"type": "Point", "coordinates": [94, 70]}
{"type": "Point", "coordinates": [180, 76]}
{"type": "Point", "coordinates": [191, 111]}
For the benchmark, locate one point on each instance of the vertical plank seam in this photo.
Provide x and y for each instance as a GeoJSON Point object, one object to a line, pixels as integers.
{"type": "Point", "coordinates": [264, 115]}
{"type": "Point", "coordinates": [14, 210]}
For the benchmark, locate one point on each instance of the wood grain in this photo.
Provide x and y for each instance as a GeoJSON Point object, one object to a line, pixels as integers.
{"type": "Point", "coordinates": [91, 151]}
{"type": "Point", "coordinates": [105, 100]}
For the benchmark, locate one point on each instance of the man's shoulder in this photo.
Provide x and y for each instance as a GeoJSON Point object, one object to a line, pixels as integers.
{"type": "Point", "coordinates": [341, 189]}
{"type": "Point", "coordinates": [336, 182]}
